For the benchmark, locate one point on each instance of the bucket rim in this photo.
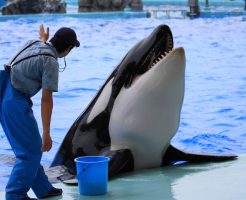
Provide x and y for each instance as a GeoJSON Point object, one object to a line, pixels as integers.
{"type": "Point", "coordinates": [106, 159]}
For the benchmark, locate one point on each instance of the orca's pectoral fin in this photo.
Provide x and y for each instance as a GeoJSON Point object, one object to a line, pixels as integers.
{"type": "Point", "coordinates": [173, 155]}
{"type": "Point", "coordinates": [121, 161]}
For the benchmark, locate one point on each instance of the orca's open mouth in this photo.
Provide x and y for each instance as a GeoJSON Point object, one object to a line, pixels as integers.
{"type": "Point", "coordinates": [160, 50]}
{"type": "Point", "coordinates": [143, 56]}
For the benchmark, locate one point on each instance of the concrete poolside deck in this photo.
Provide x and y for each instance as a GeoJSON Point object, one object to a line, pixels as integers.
{"type": "Point", "coordinates": [213, 181]}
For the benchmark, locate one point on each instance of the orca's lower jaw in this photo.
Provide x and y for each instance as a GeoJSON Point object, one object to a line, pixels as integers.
{"type": "Point", "coordinates": [160, 61]}
{"type": "Point", "coordinates": [179, 51]}
{"type": "Point", "coordinates": [176, 56]}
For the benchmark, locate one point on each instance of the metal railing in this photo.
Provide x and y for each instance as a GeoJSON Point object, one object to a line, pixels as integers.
{"type": "Point", "coordinates": [167, 13]}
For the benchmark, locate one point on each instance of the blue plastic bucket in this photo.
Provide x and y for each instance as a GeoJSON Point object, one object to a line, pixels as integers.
{"type": "Point", "coordinates": [92, 174]}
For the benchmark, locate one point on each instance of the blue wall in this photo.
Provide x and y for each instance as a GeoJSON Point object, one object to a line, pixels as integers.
{"type": "Point", "coordinates": [201, 2]}
{"type": "Point", "coordinates": [179, 2]}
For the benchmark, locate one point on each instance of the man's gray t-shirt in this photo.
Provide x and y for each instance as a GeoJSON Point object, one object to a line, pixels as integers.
{"type": "Point", "coordinates": [32, 74]}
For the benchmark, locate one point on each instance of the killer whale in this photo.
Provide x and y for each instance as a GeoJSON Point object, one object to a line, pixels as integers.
{"type": "Point", "coordinates": [136, 113]}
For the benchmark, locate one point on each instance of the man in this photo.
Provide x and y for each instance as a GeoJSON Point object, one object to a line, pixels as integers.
{"type": "Point", "coordinates": [35, 67]}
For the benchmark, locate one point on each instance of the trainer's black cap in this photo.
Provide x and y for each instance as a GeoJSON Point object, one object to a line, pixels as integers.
{"type": "Point", "coordinates": [68, 36]}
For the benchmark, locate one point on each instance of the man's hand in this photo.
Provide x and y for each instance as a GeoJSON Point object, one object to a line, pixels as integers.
{"type": "Point", "coordinates": [44, 36]}
{"type": "Point", "coordinates": [47, 142]}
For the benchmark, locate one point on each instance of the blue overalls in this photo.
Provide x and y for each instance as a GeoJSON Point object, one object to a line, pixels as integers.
{"type": "Point", "coordinates": [21, 129]}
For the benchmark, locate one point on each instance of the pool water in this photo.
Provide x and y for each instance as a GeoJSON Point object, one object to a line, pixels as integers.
{"type": "Point", "coordinates": [213, 116]}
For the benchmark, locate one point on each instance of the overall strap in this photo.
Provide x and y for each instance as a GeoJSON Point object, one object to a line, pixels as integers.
{"type": "Point", "coordinates": [40, 54]}
{"type": "Point", "coordinates": [12, 63]}
{"type": "Point", "coordinates": [23, 50]}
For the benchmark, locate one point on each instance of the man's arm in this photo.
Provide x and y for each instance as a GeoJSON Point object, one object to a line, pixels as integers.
{"type": "Point", "coordinates": [46, 112]}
